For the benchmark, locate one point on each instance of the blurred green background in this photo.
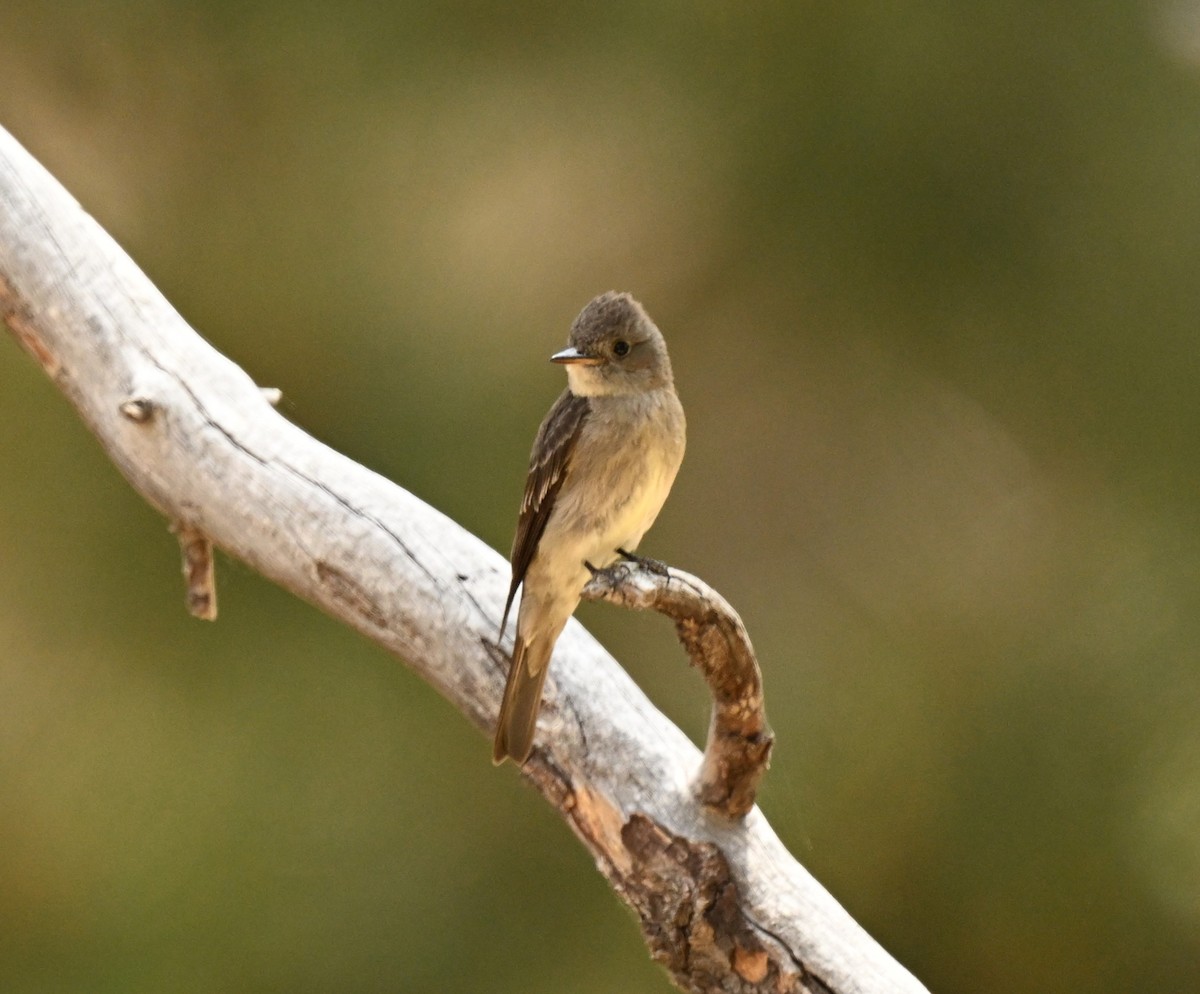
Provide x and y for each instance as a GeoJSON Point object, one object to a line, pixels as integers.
{"type": "Point", "coordinates": [930, 274]}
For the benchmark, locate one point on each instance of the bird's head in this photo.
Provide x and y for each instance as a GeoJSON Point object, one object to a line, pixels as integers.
{"type": "Point", "coordinates": [614, 349]}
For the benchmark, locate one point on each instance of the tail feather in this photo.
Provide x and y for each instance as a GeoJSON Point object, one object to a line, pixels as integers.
{"type": "Point", "coordinates": [522, 698]}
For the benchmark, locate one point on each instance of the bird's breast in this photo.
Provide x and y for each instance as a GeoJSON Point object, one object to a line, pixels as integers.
{"type": "Point", "coordinates": [619, 479]}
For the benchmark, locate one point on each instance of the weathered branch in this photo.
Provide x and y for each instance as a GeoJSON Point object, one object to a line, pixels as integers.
{"type": "Point", "coordinates": [722, 903]}
{"type": "Point", "coordinates": [739, 742]}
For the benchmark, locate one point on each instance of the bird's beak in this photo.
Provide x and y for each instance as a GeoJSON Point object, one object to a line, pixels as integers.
{"type": "Point", "coordinates": [573, 357]}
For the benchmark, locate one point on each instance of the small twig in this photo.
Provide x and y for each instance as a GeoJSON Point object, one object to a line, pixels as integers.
{"type": "Point", "coordinates": [198, 575]}
{"type": "Point", "coordinates": [739, 742]}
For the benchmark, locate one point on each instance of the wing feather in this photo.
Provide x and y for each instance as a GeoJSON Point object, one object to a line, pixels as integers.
{"type": "Point", "coordinates": [548, 465]}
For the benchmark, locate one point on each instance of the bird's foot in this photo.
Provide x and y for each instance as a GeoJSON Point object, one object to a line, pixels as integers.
{"type": "Point", "coordinates": [653, 565]}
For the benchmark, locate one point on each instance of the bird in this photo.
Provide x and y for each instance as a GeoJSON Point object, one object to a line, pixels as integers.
{"type": "Point", "coordinates": [602, 464]}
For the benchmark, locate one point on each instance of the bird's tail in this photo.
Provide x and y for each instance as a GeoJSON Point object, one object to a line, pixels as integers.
{"type": "Point", "coordinates": [522, 697]}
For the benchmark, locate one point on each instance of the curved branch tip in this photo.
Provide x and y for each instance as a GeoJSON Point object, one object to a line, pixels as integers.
{"type": "Point", "coordinates": [738, 750]}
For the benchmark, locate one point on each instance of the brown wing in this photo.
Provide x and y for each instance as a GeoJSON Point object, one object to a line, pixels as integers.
{"type": "Point", "coordinates": [552, 451]}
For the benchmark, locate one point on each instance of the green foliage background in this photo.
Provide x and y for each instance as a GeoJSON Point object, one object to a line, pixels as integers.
{"type": "Point", "coordinates": [931, 278]}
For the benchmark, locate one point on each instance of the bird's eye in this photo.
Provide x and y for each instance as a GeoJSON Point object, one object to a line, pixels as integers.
{"type": "Point", "coordinates": [620, 348]}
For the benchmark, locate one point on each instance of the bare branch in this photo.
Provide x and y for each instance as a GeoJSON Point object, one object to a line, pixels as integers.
{"type": "Point", "coordinates": [722, 903]}
{"type": "Point", "coordinates": [739, 741]}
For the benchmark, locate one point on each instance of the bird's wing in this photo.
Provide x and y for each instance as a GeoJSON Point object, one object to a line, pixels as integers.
{"type": "Point", "coordinates": [552, 451]}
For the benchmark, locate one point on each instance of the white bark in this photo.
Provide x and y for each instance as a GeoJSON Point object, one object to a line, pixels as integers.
{"type": "Point", "coordinates": [723, 904]}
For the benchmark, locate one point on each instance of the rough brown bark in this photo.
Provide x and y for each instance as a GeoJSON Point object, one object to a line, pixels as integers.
{"type": "Point", "coordinates": [722, 903]}
{"type": "Point", "coordinates": [739, 741]}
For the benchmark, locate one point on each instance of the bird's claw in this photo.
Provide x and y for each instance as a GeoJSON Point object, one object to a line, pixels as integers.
{"type": "Point", "coordinates": [653, 565]}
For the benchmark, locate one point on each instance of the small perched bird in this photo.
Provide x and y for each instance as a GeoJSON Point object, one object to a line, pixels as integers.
{"type": "Point", "coordinates": [602, 465]}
